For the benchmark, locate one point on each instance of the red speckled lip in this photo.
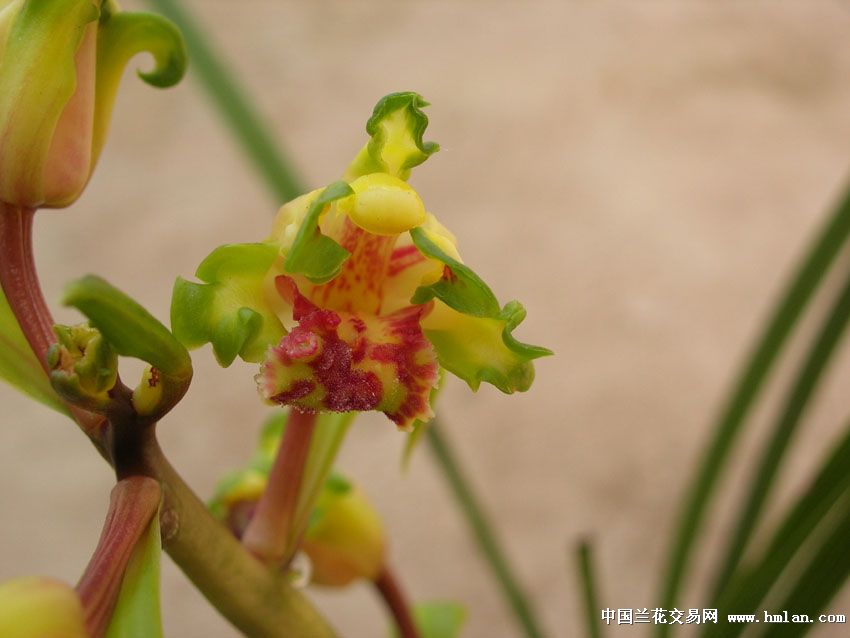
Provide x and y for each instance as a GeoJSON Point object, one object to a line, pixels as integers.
{"type": "Point", "coordinates": [342, 361]}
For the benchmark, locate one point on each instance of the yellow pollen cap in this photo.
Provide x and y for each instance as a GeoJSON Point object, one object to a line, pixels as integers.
{"type": "Point", "coordinates": [384, 205]}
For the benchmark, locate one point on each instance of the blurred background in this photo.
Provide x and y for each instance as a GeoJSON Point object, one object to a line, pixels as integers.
{"type": "Point", "coordinates": [642, 176]}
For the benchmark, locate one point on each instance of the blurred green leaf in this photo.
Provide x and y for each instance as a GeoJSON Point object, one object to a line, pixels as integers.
{"type": "Point", "coordinates": [437, 619]}
{"type": "Point", "coordinates": [750, 584]}
{"type": "Point", "coordinates": [814, 365]}
{"type": "Point", "coordinates": [19, 366]}
{"type": "Point", "coordinates": [807, 278]}
{"type": "Point", "coordinates": [820, 580]}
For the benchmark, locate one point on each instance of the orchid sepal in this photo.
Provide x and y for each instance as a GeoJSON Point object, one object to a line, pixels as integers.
{"type": "Point", "coordinates": [228, 310]}
{"type": "Point", "coordinates": [395, 146]}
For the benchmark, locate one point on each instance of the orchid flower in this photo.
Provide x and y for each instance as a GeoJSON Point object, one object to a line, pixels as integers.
{"type": "Point", "coordinates": [60, 65]}
{"type": "Point", "coordinates": [359, 294]}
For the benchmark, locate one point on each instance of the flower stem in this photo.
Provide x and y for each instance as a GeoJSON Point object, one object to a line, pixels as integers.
{"type": "Point", "coordinates": [396, 602]}
{"type": "Point", "coordinates": [19, 280]}
{"type": "Point", "coordinates": [132, 504]}
{"type": "Point", "coordinates": [259, 601]}
{"type": "Point", "coordinates": [270, 533]}
{"type": "Point", "coordinates": [788, 310]}
{"type": "Point", "coordinates": [483, 532]}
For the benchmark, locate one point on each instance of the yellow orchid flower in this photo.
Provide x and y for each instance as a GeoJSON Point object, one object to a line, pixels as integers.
{"type": "Point", "coordinates": [359, 294]}
{"type": "Point", "coordinates": [60, 65]}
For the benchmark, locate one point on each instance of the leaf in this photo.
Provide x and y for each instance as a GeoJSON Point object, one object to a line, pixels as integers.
{"type": "Point", "coordinates": [19, 366]}
{"type": "Point", "coordinates": [130, 329]}
{"type": "Point", "coordinates": [317, 257]}
{"type": "Point", "coordinates": [396, 128]}
{"type": "Point", "coordinates": [137, 612]}
{"type": "Point", "coordinates": [228, 310]}
{"type": "Point", "coordinates": [751, 584]}
{"type": "Point", "coordinates": [441, 619]}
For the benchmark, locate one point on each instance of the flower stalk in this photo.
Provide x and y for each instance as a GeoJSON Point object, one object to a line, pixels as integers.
{"type": "Point", "coordinates": [396, 602]}
{"type": "Point", "coordinates": [270, 535]}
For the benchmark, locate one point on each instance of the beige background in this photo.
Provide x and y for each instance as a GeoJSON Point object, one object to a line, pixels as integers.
{"type": "Point", "coordinates": [641, 175]}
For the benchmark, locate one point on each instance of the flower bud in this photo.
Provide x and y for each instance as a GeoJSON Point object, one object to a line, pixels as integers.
{"type": "Point", "coordinates": [83, 366]}
{"type": "Point", "coordinates": [345, 539]}
{"type": "Point", "coordinates": [60, 63]}
{"type": "Point", "coordinates": [40, 607]}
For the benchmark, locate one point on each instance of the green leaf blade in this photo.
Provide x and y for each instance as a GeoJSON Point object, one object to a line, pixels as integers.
{"type": "Point", "coordinates": [137, 612]}
{"type": "Point", "coordinates": [19, 366]}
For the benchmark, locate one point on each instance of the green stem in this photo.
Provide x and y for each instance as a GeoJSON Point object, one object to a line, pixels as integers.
{"type": "Point", "coordinates": [483, 532]}
{"type": "Point", "coordinates": [259, 601]}
{"type": "Point", "coordinates": [238, 112]}
{"type": "Point", "coordinates": [816, 361]}
{"type": "Point", "coordinates": [809, 274]}
{"type": "Point", "coordinates": [590, 596]}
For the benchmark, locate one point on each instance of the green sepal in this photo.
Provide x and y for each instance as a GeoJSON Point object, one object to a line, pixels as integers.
{"type": "Point", "coordinates": [19, 366]}
{"type": "Point", "coordinates": [480, 349]}
{"type": "Point", "coordinates": [313, 255]}
{"type": "Point", "coordinates": [459, 287]}
{"type": "Point", "coordinates": [437, 619]}
{"type": "Point", "coordinates": [120, 37]}
{"type": "Point", "coordinates": [137, 611]}
{"type": "Point", "coordinates": [37, 79]}
{"type": "Point", "coordinates": [130, 329]}
{"type": "Point", "coordinates": [396, 128]}
{"type": "Point", "coordinates": [228, 310]}
{"type": "Point", "coordinates": [475, 340]}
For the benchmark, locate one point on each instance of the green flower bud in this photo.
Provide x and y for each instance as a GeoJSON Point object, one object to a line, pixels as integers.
{"type": "Point", "coordinates": [60, 65]}
{"type": "Point", "coordinates": [84, 368]}
{"type": "Point", "coordinates": [345, 538]}
{"type": "Point", "coordinates": [40, 607]}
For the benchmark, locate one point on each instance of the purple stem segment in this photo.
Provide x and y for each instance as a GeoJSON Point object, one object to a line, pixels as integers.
{"type": "Point", "coordinates": [132, 504]}
{"type": "Point", "coordinates": [269, 532]}
{"type": "Point", "coordinates": [396, 602]}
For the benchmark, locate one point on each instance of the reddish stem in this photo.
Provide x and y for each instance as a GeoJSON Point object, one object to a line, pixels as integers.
{"type": "Point", "coordinates": [396, 602]}
{"type": "Point", "coordinates": [19, 281]}
{"type": "Point", "coordinates": [267, 535]}
{"type": "Point", "coordinates": [132, 504]}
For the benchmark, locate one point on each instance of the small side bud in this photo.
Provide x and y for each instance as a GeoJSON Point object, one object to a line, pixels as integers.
{"type": "Point", "coordinates": [37, 607]}
{"type": "Point", "coordinates": [345, 540]}
{"type": "Point", "coordinates": [84, 368]}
